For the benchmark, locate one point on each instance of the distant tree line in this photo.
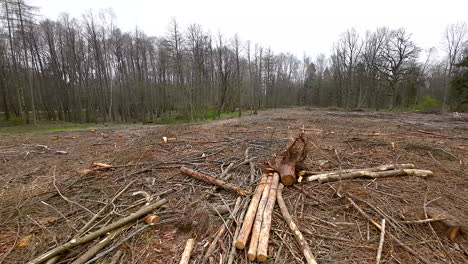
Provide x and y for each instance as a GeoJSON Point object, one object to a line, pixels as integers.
{"type": "Point", "coordinates": [88, 70]}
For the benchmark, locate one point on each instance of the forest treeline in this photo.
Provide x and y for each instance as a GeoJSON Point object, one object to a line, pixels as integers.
{"type": "Point", "coordinates": [89, 70]}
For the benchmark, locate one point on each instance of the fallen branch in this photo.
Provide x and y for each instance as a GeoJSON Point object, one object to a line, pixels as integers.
{"type": "Point", "coordinates": [297, 234]}
{"type": "Point", "coordinates": [187, 251]}
{"type": "Point", "coordinates": [241, 240]}
{"type": "Point", "coordinates": [373, 175]}
{"type": "Point", "coordinates": [381, 242]}
{"type": "Point", "coordinates": [99, 246]}
{"type": "Point", "coordinates": [311, 176]}
{"type": "Point", "coordinates": [422, 221]}
{"type": "Point", "coordinates": [405, 247]}
{"type": "Point", "coordinates": [262, 250]}
{"type": "Point", "coordinates": [89, 237]}
{"type": "Point", "coordinates": [252, 253]}
{"type": "Point", "coordinates": [212, 180]}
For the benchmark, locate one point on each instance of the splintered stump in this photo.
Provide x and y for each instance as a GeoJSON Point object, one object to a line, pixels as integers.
{"type": "Point", "coordinates": [244, 233]}
{"type": "Point", "coordinates": [262, 250]}
{"type": "Point", "coordinates": [213, 180]}
{"type": "Point", "coordinates": [252, 253]}
{"type": "Point", "coordinates": [287, 160]}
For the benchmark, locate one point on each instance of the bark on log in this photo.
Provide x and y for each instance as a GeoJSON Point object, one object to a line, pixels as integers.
{"type": "Point", "coordinates": [212, 180]}
{"type": "Point", "coordinates": [252, 253]}
{"type": "Point", "coordinates": [92, 251]}
{"type": "Point", "coordinates": [89, 237]}
{"type": "Point", "coordinates": [241, 240]}
{"type": "Point", "coordinates": [297, 234]}
{"type": "Point", "coordinates": [373, 175]}
{"type": "Point", "coordinates": [315, 176]}
{"type": "Point", "coordinates": [187, 251]}
{"type": "Point", "coordinates": [262, 250]}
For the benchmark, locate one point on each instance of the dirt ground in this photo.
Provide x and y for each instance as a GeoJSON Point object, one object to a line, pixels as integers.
{"type": "Point", "coordinates": [45, 198]}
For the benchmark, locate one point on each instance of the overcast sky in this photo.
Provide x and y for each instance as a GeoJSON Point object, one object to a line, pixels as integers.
{"type": "Point", "coordinates": [297, 26]}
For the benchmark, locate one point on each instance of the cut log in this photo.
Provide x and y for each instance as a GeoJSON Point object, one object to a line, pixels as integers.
{"type": "Point", "coordinates": [373, 175]}
{"type": "Point", "coordinates": [252, 253]}
{"type": "Point", "coordinates": [295, 230]}
{"type": "Point", "coordinates": [187, 251]}
{"type": "Point", "coordinates": [315, 176]}
{"type": "Point", "coordinates": [212, 180]}
{"type": "Point", "coordinates": [287, 160]}
{"type": "Point", "coordinates": [89, 237]}
{"type": "Point", "coordinates": [262, 250]}
{"type": "Point", "coordinates": [241, 240]}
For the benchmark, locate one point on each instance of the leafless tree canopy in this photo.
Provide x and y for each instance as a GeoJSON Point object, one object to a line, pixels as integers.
{"type": "Point", "coordinates": [88, 70]}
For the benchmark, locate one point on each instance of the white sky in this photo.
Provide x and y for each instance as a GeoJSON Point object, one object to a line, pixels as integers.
{"type": "Point", "coordinates": [296, 26]}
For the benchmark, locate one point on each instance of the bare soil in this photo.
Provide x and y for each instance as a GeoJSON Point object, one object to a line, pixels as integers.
{"type": "Point", "coordinates": [44, 196]}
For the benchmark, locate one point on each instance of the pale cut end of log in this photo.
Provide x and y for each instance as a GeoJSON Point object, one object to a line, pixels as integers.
{"type": "Point", "coordinates": [288, 179]}
{"type": "Point", "coordinates": [152, 219]}
{"type": "Point", "coordinates": [262, 258]}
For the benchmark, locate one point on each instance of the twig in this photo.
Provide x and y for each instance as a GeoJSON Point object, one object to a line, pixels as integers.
{"type": "Point", "coordinates": [381, 243]}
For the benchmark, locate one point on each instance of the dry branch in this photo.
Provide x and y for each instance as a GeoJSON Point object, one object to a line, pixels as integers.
{"type": "Point", "coordinates": [241, 240]}
{"type": "Point", "coordinates": [381, 242]}
{"type": "Point", "coordinates": [262, 250]}
{"type": "Point", "coordinates": [212, 180]}
{"type": "Point", "coordinates": [89, 237]}
{"type": "Point", "coordinates": [311, 176]}
{"type": "Point", "coordinates": [252, 253]}
{"type": "Point", "coordinates": [187, 251]}
{"type": "Point", "coordinates": [373, 174]}
{"type": "Point", "coordinates": [99, 246]}
{"type": "Point", "coordinates": [297, 234]}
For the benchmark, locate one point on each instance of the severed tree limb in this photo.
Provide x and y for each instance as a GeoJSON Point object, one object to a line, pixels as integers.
{"type": "Point", "coordinates": [252, 253]}
{"type": "Point", "coordinates": [295, 230]}
{"type": "Point", "coordinates": [187, 251]}
{"type": "Point", "coordinates": [92, 251]}
{"type": "Point", "coordinates": [381, 242]}
{"type": "Point", "coordinates": [89, 237]}
{"type": "Point", "coordinates": [311, 176]}
{"type": "Point", "coordinates": [212, 180]}
{"type": "Point", "coordinates": [286, 161]}
{"type": "Point", "coordinates": [241, 239]}
{"type": "Point", "coordinates": [118, 244]}
{"type": "Point", "coordinates": [374, 174]}
{"type": "Point", "coordinates": [405, 247]}
{"type": "Point", "coordinates": [422, 221]}
{"type": "Point", "coordinates": [262, 250]}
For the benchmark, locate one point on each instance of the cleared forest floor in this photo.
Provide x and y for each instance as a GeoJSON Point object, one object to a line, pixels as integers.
{"type": "Point", "coordinates": [45, 198]}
